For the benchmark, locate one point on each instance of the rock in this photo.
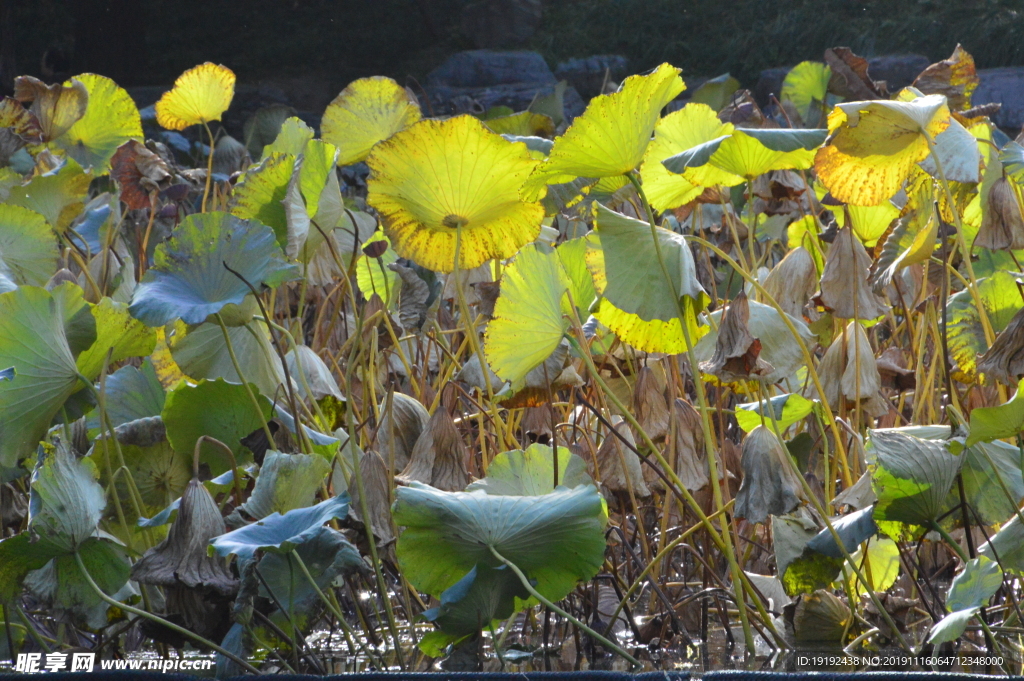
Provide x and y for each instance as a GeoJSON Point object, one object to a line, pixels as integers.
{"type": "Point", "coordinates": [897, 70]}
{"type": "Point", "coordinates": [769, 83]}
{"type": "Point", "coordinates": [1006, 86]}
{"type": "Point", "coordinates": [484, 68]}
{"type": "Point", "coordinates": [501, 23]}
{"type": "Point", "coordinates": [587, 74]}
{"type": "Point", "coordinates": [446, 100]}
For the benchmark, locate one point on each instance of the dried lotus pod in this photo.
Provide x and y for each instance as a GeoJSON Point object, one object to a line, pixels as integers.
{"type": "Point", "coordinates": [618, 465]}
{"type": "Point", "coordinates": [1004, 361]}
{"type": "Point", "coordinates": [650, 405]}
{"type": "Point", "coordinates": [793, 281]}
{"type": "Point", "coordinates": [402, 421]}
{"type": "Point", "coordinates": [770, 484]}
{"type": "Point", "coordinates": [181, 559]}
{"type": "Point", "coordinates": [376, 485]}
{"type": "Point", "coordinates": [1002, 225]}
{"type": "Point", "coordinates": [844, 289]}
{"type": "Point", "coordinates": [737, 352]}
{"type": "Point", "coordinates": [439, 457]}
{"type": "Point", "coordinates": [687, 456]}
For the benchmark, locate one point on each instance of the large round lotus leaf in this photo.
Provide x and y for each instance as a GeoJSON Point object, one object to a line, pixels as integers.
{"type": "Point", "coordinates": [911, 477]}
{"type": "Point", "coordinates": [111, 119]}
{"type": "Point", "coordinates": [366, 112]}
{"type": "Point", "coordinates": [203, 353]}
{"type": "Point", "coordinates": [611, 136]}
{"type": "Point", "coordinates": [58, 195]}
{"type": "Point", "coordinates": [28, 247]}
{"type": "Point", "coordinates": [188, 279]}
{"type": "Point", "coordinates": [483, 595]}
{"type": "Point", "coordinates": [291, 138]}
{"type": "Point", "coordinates": [118, 337]}
{"type": "Point", "coordinates": [216, 408]}
{"type": "Point", "coordinates": [531, 472]}
{"type": "Point", "coordinates": [280, 533]}
{"type": "Point", "coordinates": [746, 153]}
{"type": "Point", "coordinates": [806, 86]}
{"type": "Point", "coordinates": [637, 304]}
{"type": "Point", "coordinates": [32, 340]}
{"type": "Point", "coordinates": [200, 95]}
{"type": "Point", "coordinates": [557, 539]}
{"type": "Point", "coordinates": [528, 319]}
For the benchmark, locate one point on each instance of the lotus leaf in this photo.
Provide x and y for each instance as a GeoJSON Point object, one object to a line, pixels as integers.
{"type": "Point", "coordinates": [280, 533]}
{"type": "Point", "coordinates": [200, 95]}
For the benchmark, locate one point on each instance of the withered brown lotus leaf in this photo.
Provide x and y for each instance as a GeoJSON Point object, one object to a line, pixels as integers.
{"type": "Point", "coordinates": [536, 422]}
{"type": "Point", "coordinates": [376, 485]}
{"type": "Point", "coordinates": [140, 173]}
{"type": "Point", "coordinates": [618, 465]}
{"type": "Point", "coordinates": [737, 352]}
{"type": "Point", "coordinates": [770, 485]}
{"type": "Point", "coordinates": [793, 281]}
{"type": "Point", "coordinates": [439, 456]}
{"type": "Point", "coordinates": [413, 297]}
{"type": "Point", "coordinates": [1004, 361]}
{"type": "Point", "coordinates": [1002, 225]}
{"type": "Point", "coordinates": [850, 79]}
{"type": "Point", "coordinates": [18, 127]}
{"type": "Point", "coordinates": [688, 455]}
{"type": "Point", "coordinates": [181, 558]}
{"type": "Point", "coordinates": [403, 420]}
{"type": "Point", "coordinates": [820, 616]}
{"type": "Point", "coordinates": [956, 78]}
{"type": "Point", "coordinates": [650, 405]}
{"type": "Point", "coordinates": [743, 112]}
{"type": "Point", "coordinates": [230, 156]}
{"type": "Point", "coordinates": [859, 356]}
{"type": "Point", "coordinates": [57, 107]}
{"type": "Point", "coordinates": [892, 367]}
{"type": "Point", "coordinates": [844, 288]}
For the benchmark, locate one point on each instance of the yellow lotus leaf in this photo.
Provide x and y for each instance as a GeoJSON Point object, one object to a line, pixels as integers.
{"type": "Point", "coordinates": [689, 127]}
{"type": "Point", "coordinates": [56, 107]}
{"type": "Point", "coordinates": [111, 119]}
{"type": "Point", "coordinates": [367, 111]}
{"type": "Point", "coordinates": [749, 153]}
{"type": "Point", "coordinates": [611, 136]}
{"type": "Point", "coordinates": [875, 145]}
{"type": "Point", "coordinates": [200, 95]}
{"type": "Point", "coordinates": [438, 180]}
{"type": "Point", "coordinates": [524, 123]}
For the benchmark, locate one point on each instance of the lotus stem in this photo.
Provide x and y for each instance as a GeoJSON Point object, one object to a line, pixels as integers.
{"type": "Point", "coordinates": [209, 168]}
{"type": "Point", "coordinates": [245, 384]}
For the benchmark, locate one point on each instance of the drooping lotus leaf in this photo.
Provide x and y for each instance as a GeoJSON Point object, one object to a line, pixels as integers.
{"type": "Point", "coordinates": [749, 152]}
{"type": "Point", "coordinates": [56, 107]}
{"type": "Point", "coordinates": [367, 111]}
{"type": "Point", "coordinates": [530, 472]}
{"type": "Point", "coordinates": [529, 320]}
{"type": "Point", "coordinates": [291, 139]}
{"type": "Point", "coordinates": [261, 192]}
{"type": "Point", "coordinates": [200, 95]}
{"type": "Point", "coordinates": [118, 337]}
{"type": "Point", "coordinates": [911, 477]}
{"type": "Point", "coordinates": [216, 408]}
{"type": "Point", "coordinates": [853, 530]}
{"type": "Point", "coordinates": [18, 128]}
{"type": "Point", "coordinates": [111, 119]}
{"type": "Point", "coordinates": [280, 533]}
{"type": "Point", "coordinates": [438, 180]}
{"type": "Point", "coordinates": [911, 241]}
{"type": "Point", "coordinates": [556, 539]}
{"type": "Point", "coordinates": [28, 247]}
{"type": "Point", "coordinates": [33, 342]}
{"type": "Point", "coordinates": [988, 469]}
{"type": "Point", "coordinates": [873, 146]}
{"type": "Point", "coordinates": [980, 579]}
{"type": "Point", "coordinates": [957, 152]}
{"type": "Point", "coordinates": [1001, 300]}
{"type": "Point", "coordinates": [313, 203]}
{"type": "Point", "coordinates": [786, 409]}
{"type": "Point", "coordinates": [522, 124]}
{"type": "Point", "coordinates": [373, 275]}
{"type": "Point", "coordinates": [203, 353]}
{"type": "Point", "coordinates": [637, 303]}
{"type": "Point", "coordinates": [188, 279]}
{"type": "Point", "coordinates": [770, 485]}
{"type": "Point", "coordinates": [58, 195]}
{"type": "Point", "coordinates": [806, 86]}
{"type": "Point", "coordinates": [286, 482]}
{"type": "Point", "coordinates": [66, 502]}
{"type": "Point", "coordinates": [611, 136]}
{"type": "Point", "coordinates": [820, 617]}
{"type": "Point", "coordinates": [19, 555]}
{"type": "Point", "coordinates": [955, 77]}
{"type": "Point", "coordinates": [76, 313]}
{"type": "Point", "coordinates": [687, 128]}
{"type": "Point", "coordinates": [483, 595]}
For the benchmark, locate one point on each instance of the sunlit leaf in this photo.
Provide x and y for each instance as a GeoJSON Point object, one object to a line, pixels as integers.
{"type": "Point", "coordinates": [261, 192]}
{"type": "Point", "coordinates": [118, 337]}
{"type": "Point", "coordinates": [1001, 300]}
{"type": "Point", "coordinates": [806, 86]}
{"type": "Point", "coordinates": [57, 195]}
{"type": "Point", "coordinates": [200, 95]}
{"type": "Point", "coordinates": [372, 274]}
{"type": "Point", "coordinates": [911, 477]}
{"type": "Point", "coordinates": [747, 153]}
{"type": "Point", "coordinates": [367, 111]}
{"type": "Point", "coordinates": [715, 92]}
{"type": "Point", "coordinates": [785, 409]}
{"type": "Point", "coordinates": [56, 107]}
{"type": "Point", "coordinates": [531, 472]}
{"type": "Point", "coordinates": [28, 247]}
{"type": "Point", "coordinates": [292, 138]}
{"type": "Point", "coordinates": [111, 119]}
{"type": "Point", "coordinates": [286, 481]}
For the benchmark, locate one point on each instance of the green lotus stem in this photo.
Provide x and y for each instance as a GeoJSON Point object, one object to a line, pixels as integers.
{"type": "Point", "coordinates": [708, 431]}
{"type": "Point", "coordinates": [953, 544]}
{"type": "Point", "coordinates": [860, 639]}
{"type": "Point", "coordinates": [298, 365]}
{"type": "Point", "coordinates": [331, 606]}
{"type": "Point", "coordinates": [236, 484]}
{"type": "Point", "coordinates": [554, 608]}
{"type": "Point", "coordinates": [248, 388]}
{"type": "Point", "coordinates": [160, 620]}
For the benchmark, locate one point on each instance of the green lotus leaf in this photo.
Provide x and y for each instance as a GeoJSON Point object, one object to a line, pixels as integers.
{"type": "Point", "coordinates": [573, 254]}
{"type": "Point", "coordinates": [280, 533]}
{"type": "Point", "coordinates": [988, 469]}
{"type": "Point", "coordinates": [716, 92]}
{"type": "Point", "coordinates": [1007, 546]}
{"type": "Point", "coordinates": [118, 337]}
{"type": "Point", "coordinates": [57, 195]}
{"type": "Point", "coordinates": [373, 275]}
{"type": "Point", "coordinates": [806, 86]}
{"type": "Point", "coordinates": [911, 477]}
{"type": "Point", "coordinates": [313, 204]}
{"type": "Point", "coordinates": [28, 247]}
{"type": "Point", "coordinates": [286, 482]}
{"type": "Point", "coordinates": [1001, 299]}
{"type": "Point", "coordinates": [264, 126]}
{"type": "Point", "coordinates": [216, 408]}
{"type": "Point", "coordinates": [996, 423]}
{"type": "Point", "coordinates": [556, 539]}
{"type": "Point", "coordinates": [66, 502]}
{"type": "Point", "coordinates": [853, 530]}
{"type": "Point", "coordinates": [261, 192]}
{"type": "Point", "coordinates": [978, 582]}
{"type": "Point", "coordinates": [188, 279]}
{"type": "Point", "coordinates": [951, 627]}
{"type": "Point", "coordinates": [485, 594]}
{"type": "Point", "coordinates": [879, 563]}
{"type": "Point", "coordinates": [531, 472]}
{"type": "Point", "coordinates": [134, 393]}
{"type": "Point", "coordinates": [33, 342]}
{"type": "Point", "coordinates": [787, 410]}
{"type": "Point", "coordinates": [809, 572]}
{"type": "Point", "coordinates": [528, 321]}
{"type": "Point", "coordinates": [19, 555]}
{"type": "Point", "coordinates": [79, 322]}
{"type": "Point", "coordinates": [292, 136]}
{"type": "Point", "coordinates": [203, 353]}
{"type": "Point", "coordinates": [111, 119]}
{"type": "Point", "coordinates": [749, 152]}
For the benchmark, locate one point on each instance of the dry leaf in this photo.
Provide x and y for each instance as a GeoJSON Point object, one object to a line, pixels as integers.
{"type": "Point", "coordinates": [737, 353]}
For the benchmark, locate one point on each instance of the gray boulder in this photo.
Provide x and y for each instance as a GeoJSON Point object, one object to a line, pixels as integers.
{"type": "Point", "coordinates": [484, 68]}
{"type": "Point", "coordinates": [587, 74]}
{"type": "Point", "coordinates": [897, 70]}
{"type": "Point", "coordinates": [1006, 86]}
